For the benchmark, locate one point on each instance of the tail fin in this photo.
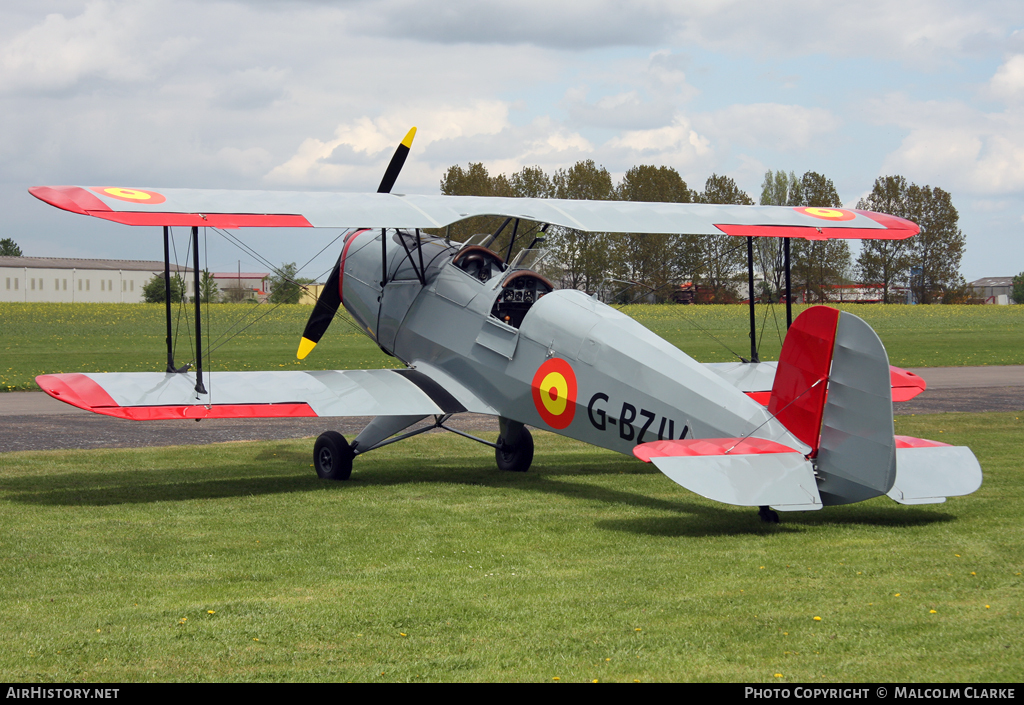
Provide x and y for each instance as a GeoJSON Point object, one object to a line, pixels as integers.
{"type": "Point", "coordinates": [833, 391]}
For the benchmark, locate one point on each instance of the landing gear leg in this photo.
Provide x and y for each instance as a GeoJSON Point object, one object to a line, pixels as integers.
{"type": "Point", "coordinates": [514, 450]}
{"type": "Point", "coordinates": [332, 456]}
{"type": "Point", "coordinates": [767, 515]}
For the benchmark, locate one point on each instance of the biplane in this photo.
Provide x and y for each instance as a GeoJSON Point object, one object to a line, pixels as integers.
{"type": "Point", "coordinates": [483, 331]}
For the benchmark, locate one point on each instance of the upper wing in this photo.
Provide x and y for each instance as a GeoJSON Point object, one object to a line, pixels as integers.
{"type": "Point", "coordinates": [235, 209]}
{"type": "Point", "coordinates": [160, 395]}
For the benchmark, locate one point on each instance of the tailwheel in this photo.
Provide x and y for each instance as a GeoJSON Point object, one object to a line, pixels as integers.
{"type": "Point", "coordinates": [516, 456]}
{"type": "Point", "coordinates": [768, 516]}
{"type": "Point", "coordinates": [332, 456]}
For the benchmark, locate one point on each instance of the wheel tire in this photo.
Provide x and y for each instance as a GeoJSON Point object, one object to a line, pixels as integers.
{"type": "Point", "coordinates": [332, 456]}
{"type": "Point", "coordinates": [515, 457]}
{"type": "Point", "coordinates": [768, 516]}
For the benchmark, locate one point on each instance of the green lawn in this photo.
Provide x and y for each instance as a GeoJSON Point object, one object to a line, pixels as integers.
{"type": "Point", "coordinates": [234, 562]}
{"type": "Point", "coordinates": [41, 338]}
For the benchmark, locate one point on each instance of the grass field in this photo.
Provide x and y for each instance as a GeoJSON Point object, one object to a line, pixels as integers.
{"type": "Point", "coordinates": [234, 562]}
{"type": "Point", "coordinates": [40, 338]}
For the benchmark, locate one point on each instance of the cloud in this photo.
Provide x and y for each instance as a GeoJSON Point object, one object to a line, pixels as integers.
{"type": "Point", "coordinates": [105, 41]}
{"type": "Point", "coordinates": [626, 110]}
{"type": "Point", "coordinates": [677, 145]}
{"type": "Point", "coordinates": [769, 125]}
{"type": "Point", "coordinates": [251, 88]}
{"type": "Point", "coordinates": [372, 140]}
{"type": "Point", "coordinates": [565, 25]}
{"type": "Point", "coordinates": [956, 146]}
{"type": "Point", "coordinates": [922, 33]}
{"type": "Point", "coordinates": [1008, 82]}
{"type": "Point", "coordinates": [919, 32]}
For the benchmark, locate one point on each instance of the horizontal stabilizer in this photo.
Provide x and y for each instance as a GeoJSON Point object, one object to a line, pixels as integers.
{"type": "Point", "coordinates": [928, 471]}
{"type": "Point", "coordinates": [749, 472]}
{"type": "Point", "coordinates": [756, 379]}
{"type": "Point", "coordinates": [272, 394]}
{"type": "Point", "coordinates": [905, 384]}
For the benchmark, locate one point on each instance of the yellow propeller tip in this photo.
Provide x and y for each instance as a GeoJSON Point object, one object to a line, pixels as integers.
{"type": "Point", "coordinates": [305, 347]}
{"type": "Point", "coordinates": [407, 141]}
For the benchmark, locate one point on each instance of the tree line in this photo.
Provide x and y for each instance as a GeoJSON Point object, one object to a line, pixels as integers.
{"type": "Point", "coordinates": [286, 287]}
{"type": "Point", "coordinates": [631, 266]}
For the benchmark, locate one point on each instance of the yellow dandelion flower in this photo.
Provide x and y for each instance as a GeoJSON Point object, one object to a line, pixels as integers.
{"type": "Point", "coordinates": [932, 612]}
{"type": "Point", "coordinates": [817, 619]}
{"type": "Point", "coordinates": [556, 678]}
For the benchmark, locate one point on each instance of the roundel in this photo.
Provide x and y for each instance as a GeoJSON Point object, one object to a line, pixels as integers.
{"type": "Point", "coordinates": [554, 393]}
{"type": "Point", "coordinates": [130, 195]}
{"type": "Point", "coordinates": [827, 213]}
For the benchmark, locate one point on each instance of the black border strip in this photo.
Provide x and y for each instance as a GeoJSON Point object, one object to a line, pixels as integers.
{"type": "Point", "coordinates": [438, 394]}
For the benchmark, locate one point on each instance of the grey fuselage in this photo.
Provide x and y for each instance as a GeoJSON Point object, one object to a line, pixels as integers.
{"type": "Point", "coordinates": [630, 386]}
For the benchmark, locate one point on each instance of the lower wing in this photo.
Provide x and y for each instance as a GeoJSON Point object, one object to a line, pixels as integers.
{"type": "Point", "coordinates": [159, 395]}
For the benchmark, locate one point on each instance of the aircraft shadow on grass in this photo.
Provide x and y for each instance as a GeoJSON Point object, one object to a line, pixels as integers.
{"type": "Point", "coordinates": [684, 518]}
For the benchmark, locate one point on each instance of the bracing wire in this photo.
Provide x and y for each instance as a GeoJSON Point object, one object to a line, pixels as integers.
{"type": "Point", "coordinates": [233, 329]}
{"type": "Point", "coordinates": [230, 331]}
{"type": "Point", "coordinates": [686, 318]}
{"type": "Point", "coordinates": [204, 286]}
{"type": "Point", "coordinates": [181, 302]}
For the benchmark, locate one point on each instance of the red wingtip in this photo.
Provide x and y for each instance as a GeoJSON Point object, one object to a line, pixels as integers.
{"type": "Point", "coordinates": [78, 390]}
{"type": "Point", "coordinates": [69, 198]}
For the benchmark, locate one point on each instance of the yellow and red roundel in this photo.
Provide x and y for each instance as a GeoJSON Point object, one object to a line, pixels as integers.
{"type": "Point", "coordinates": [827, 213]}
{"type": "Point", "coordinates": [554, 393]}
{"type": "Point", "coordinates": [130, 195]}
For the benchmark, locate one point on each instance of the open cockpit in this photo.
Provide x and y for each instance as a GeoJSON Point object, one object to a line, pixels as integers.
{"type": "Point", "coordinates": [520, 286]}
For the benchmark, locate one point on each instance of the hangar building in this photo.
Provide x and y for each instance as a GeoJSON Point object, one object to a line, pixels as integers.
{"type": "Point", "coordinates": [68, 280]}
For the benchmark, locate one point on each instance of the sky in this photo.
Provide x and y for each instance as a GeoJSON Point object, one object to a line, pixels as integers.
{"type": "Point", "coordinates": [308, 95]}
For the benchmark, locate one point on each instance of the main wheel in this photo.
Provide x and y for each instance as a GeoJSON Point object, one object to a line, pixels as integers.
{"type": "Point", "coordinates": [515, 457]}
{"type": "Point", "coordinates": [332, 456]}
{"type": "Point", "coordinates": [768, 515]}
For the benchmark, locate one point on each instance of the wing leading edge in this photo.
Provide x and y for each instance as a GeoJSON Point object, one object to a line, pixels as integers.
{"type": "Point", "coordinates": [237, 209]}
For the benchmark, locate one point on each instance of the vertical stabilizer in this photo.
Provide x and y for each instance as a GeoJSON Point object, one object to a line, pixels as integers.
{"type": "Point", "coordinates": [832, 390]}
{"type": "Point", "coordinates": [857, 450]}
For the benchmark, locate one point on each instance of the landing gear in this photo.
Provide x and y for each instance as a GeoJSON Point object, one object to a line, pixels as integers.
{"type": "Point", "coordinates": [517, 455]}
{"type": "Point", "coordinates": [332, 456]}
{"type": "Point", "coordinates": [767, 515]}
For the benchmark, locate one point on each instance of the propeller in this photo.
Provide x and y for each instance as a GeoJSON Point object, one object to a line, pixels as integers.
{"type": "Point", "coordinates": [330, 298]}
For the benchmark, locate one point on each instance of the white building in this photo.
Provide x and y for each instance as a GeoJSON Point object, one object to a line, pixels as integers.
{"type": "Point", "coordinates": [242, 286]}
{"type": "Point", "coordinates": [64, 280]}
{"type": "Point", "coordinates": [995, 290]}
